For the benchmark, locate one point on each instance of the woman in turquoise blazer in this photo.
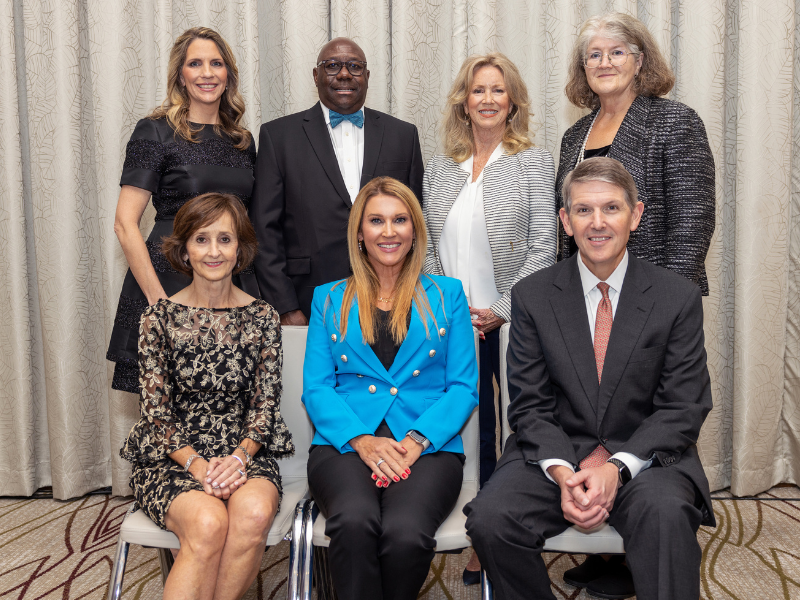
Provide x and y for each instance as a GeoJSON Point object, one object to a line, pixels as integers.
{"type": "Point", "coordinates": [388, 390]}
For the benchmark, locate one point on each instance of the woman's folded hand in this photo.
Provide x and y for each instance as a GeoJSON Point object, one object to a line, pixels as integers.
{"type": "Point", "coordinates": [384, 456]}
{"type": "Point", "coordinates": [224, 476]}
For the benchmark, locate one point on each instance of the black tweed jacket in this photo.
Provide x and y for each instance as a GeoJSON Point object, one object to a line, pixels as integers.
{"type": "Point", "coordinates": [663, 145]}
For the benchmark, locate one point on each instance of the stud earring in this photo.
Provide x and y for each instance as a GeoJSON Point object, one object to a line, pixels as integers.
{"type": "Point", "coordinates": [360, 247]}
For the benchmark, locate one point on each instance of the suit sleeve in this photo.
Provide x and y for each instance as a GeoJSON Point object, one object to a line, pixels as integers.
{"type": "Point", "coordinates": [267, 209]}
{"type": "Point", "coordinates": [532, 412]}
{"type": "Point", "coordinates": [417, 168]}
{"type": "Point", "coordinates": [683, 397]}
{"type": "Point", "coordinates": [541, 241]}
{"type": "Point", "coordinates": [332, 417]}
{"type": "Point", "coordinates": [690, 196]}
{"type": "Point", "coordinates": [431, 264]}
{"type": "Point", "coordinates": [442, 421]}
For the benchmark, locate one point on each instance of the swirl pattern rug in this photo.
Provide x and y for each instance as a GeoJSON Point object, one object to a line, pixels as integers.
{"type": "Point", "coordinates": [52, 549]}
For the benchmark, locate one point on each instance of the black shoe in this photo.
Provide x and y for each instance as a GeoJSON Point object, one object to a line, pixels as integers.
{"type": "Point", "coordinates": [616, 583]}
{"type": "Point", "coordinates": [593, 567]}
{"type": "Point", "coordinates": [471, 577]}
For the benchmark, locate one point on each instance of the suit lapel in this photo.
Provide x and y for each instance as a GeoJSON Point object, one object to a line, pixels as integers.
{"type": "Point", "coordinates": [416, 329]}
{"type": "Point", "coordinates": [355, 337]}
{"type": "Point", "coordinates": [627, 144]}
{"type": "Point", "coordinates": [451, 171]}
{"type": "Point", "coordinates": [317, 132]}
{"type": "Point", "coordinates": [570, 309]}
{"type": "Point", "coordinates": [373, 139]}
{"type": "Point", "coordinates": [632, 313]}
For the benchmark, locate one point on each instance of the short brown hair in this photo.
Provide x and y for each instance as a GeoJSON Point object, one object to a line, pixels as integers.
{"type": "Point", "coordinates": [604, 169]}
{"type": "Point", "coordinates": [655, 76]}
{"type": "Point", "coordinates": [456, 130]}
{"type": "Point", "coordinates": [204, 210]}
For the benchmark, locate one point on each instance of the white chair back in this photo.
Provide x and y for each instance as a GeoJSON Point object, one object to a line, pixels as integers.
{"type": "Point", "coordinates": [504, 397]}
{"type": "Point", "coordinates": [470, 436]}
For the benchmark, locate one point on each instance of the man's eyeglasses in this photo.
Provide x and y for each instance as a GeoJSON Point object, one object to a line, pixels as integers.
{"type": "Point", "coordinates": [617, 58]}
{"type": "Point", "coordinates": [332, 67]}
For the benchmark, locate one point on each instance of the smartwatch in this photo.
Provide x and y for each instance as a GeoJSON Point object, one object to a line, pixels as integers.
{"type": "Point", "coordinates": [419, 438]}
{"type": "Point", "coordinates": [624, 471]}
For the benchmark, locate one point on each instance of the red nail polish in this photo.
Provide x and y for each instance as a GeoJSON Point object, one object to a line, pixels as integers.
{"type": "Point", "coordinates": [374, 477]}
{"type": "Point", "coordinates": [403, 447]}
{"type": "Point", "coordinates": [408, 471]}
{"type": "Point", "coordinates": [396, 478]}
{"type": "Point", "coordinates": [378, 483]}
{"type": "Point", "coordinates": [404, 476]}
{"type": "Point", "coordinates": [385, 479]}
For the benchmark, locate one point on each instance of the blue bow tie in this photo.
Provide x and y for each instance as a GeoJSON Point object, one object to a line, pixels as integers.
{"type": "Point", "coordinates": [357, 119]}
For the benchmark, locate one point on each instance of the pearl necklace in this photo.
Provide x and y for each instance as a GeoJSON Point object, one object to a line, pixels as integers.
{"type": "Point", "coordinates": [586, 139]}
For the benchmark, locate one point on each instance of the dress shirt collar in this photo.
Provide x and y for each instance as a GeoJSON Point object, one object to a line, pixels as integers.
{"type": "Point", "coordinates": [326, 113]}
{"type": "Point", "coordinates": [589, 280]}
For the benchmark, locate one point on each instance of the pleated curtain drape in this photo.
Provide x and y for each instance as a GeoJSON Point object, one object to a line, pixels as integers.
{"type": "Point", "coordinates": [80, 73]}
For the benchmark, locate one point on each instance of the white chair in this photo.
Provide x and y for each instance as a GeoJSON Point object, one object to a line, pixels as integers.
{"type": "Point", "coordinates": [451, 535]}
{"type": "Point", "coordinates": [137, 528]}
{"type": "Point", "coordinates": [602, 540]}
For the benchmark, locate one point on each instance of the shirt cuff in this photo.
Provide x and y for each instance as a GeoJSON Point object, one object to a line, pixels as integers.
{"type": "Point", "coordinates": [635, 464]}
{"type": "Point", "coordinates": [550, 462]}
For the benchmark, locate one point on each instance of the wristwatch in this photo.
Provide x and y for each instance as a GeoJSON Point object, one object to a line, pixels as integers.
{"type": "Point", "coordinates": [419, 438]}
{"type": "Point", "coordinates": [624, 471]}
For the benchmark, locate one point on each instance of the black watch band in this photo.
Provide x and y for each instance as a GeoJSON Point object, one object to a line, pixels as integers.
{"type": "Point", "coordinates": [624, 471]}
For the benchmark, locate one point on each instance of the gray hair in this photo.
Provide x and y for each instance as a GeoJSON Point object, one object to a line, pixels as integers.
{"type": "Point", "coordinates": [602, 169]}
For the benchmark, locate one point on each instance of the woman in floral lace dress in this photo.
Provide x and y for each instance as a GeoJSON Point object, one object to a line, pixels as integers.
{"type": "Point", "coordinates": [204, 450]}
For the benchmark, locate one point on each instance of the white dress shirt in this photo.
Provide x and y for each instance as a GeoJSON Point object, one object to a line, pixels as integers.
{"type": "Point", "coordinates": [348, 144]}
{"type": "Point", "coordinates": [464, 247]}
{"type": "Point", "coordinates": [592, 296]}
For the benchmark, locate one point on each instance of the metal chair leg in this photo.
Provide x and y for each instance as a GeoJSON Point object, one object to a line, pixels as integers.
{"type": "Point", "coordinates": [166, 560]}
{"type": "Point", "coordinates": [487, 592]}
{"type": "Point", "coordinates": [308, 552]}
{"type": "Point", "coordinates": [296, 551]}
{"type": "Point", "coordinates": [118, 571]}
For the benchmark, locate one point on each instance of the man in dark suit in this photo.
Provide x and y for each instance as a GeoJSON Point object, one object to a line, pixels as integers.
{"type": "Point", "coordinates": [310, 168]}
{"type": "Point", "coordinates": [609, 388]}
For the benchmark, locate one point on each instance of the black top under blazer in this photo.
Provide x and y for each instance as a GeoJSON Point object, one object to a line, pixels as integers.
{"type": "Point", "coordinates": [663, 145]}
{"type": "Point", "coordinates": [655, 391]}
{"type": "Point", "coordinates": [300, 205]}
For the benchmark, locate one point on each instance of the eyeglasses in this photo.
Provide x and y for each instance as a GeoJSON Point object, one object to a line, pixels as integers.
{"type": "Point", "coordinates": [617, 58]}
{"type": "Point", "coordinates": [332, 67]}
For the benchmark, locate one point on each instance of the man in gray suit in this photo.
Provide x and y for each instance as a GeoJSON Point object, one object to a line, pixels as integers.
{"type": "Point", "coordinates": [609, 388]}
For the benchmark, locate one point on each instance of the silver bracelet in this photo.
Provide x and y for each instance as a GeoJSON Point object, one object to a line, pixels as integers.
{"type": "Point", "coordinates": [189, 462]}
{"type": "Point", "coordinates": [239, 459]}
{"type": "Point", "coordinates": [246, 454]}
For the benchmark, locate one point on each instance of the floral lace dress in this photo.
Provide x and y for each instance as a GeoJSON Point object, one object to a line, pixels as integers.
{"type": "Point", "coordinates": [209, 378]}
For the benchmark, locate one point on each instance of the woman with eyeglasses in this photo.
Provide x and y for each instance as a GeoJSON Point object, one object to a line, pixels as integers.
{"type": "Point", "coordinates": [618, 72]}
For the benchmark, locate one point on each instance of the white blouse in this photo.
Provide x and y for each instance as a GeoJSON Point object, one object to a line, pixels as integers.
{"type": "Point", "coordinates": [464, 244]}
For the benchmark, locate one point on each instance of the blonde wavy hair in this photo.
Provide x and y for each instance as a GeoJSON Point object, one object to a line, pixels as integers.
{"type": "Point", "coordinates": [655, 77]}
{"type": "Point", "coordinates": [364, 284]}
{"type": "Point", "coordinates": [175, 106]}
{"type": "Point", "coordinates": [456, 129]}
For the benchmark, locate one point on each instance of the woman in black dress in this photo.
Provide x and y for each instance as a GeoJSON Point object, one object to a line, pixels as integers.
{"type": "Point", "coordinates": [192, 144]}
{"type": "Point", "coordinates": [203, 451]}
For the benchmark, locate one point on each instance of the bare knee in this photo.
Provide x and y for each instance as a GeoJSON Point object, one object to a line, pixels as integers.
{"type": "Point", "coordinates": [253, 519]}
{"type": "Point", "coordinates": [205, 532]}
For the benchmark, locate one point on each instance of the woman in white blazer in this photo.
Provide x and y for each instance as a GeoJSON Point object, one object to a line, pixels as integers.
{"type": "Point", "coordinates": [488, 204]}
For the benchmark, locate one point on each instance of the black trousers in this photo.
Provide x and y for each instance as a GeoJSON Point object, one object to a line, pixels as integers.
{"type": "Point", "coordinates": [656, 514]}
{"type": "Point", "coordinates": [489, 367]}
{"type": "Point", "coordinates": [382, 540]}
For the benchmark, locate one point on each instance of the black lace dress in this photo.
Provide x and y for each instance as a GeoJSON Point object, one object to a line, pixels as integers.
{"type": "Point", "coordinates": [209, 378]}
{"type": "Point", "coordinates": [174, 171]}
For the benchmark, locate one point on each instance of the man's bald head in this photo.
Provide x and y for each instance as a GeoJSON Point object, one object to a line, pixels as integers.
{"type": "Point", "coordinates": [341, 45]}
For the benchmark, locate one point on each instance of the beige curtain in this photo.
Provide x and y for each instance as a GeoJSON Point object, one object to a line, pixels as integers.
{"type": "Point", "coordinates": [80, 73]}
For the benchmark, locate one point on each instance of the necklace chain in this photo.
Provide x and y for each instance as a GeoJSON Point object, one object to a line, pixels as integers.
{"type": "Point", "coordinates": [586, 139]}
{"type": "Point", "coordinates": [389, 299]}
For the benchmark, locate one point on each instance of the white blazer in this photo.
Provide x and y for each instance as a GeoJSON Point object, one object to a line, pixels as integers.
{"type": "Point", "coordinates": [519, 206]}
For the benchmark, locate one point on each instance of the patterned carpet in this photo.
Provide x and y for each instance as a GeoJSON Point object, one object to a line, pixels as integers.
{"type": "Point", "coordinates": [51, 549]}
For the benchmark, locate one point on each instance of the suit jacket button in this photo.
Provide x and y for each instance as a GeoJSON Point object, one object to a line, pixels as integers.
{"type": "Point", "coordinates": [344, 358]}
{"type": "Point", "coordinates": [442, 331]}
{"type": "Point", "coordinates": [432, 353]}
{"type": "Point", "coordinates": [333, 337]}
{"type": "Point", "coordinates": [604, 440]}
{"type": "Point", "coordinates": [416, 373]}
{"type": "Point", "coordinates": [393, 391]}
{"type": "Point", "coordinates": [359, 376]}
{"type": "Point", "coordinates": [372, 389]}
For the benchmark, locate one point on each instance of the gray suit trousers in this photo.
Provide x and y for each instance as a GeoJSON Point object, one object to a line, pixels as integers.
{"type": "Point", "coordinates": [656, 514]}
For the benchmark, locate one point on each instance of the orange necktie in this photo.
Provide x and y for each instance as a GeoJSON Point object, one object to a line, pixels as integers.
{"type": "Point", "coordinates": [602, 331]}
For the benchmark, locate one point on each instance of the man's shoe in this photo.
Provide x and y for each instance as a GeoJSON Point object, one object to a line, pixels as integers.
{"type": "Point", "coordinates": [471, 577]}
{"type": "Point", "coordinates": [616, 583]}
{"type": "Point", "coordinates": [593, 567]}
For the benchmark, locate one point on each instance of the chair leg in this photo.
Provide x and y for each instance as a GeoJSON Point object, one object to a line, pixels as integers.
{"type": "Point", "coordinates": [118, 571]}
{"type": "Point", "coordinates": [487, 591]}
{"type": "Point", "coordinates": [296, 551]}
{"type": "Point", "coordinates": [166, 560]}
{"type": "Point", "coordinates": [308, 552]}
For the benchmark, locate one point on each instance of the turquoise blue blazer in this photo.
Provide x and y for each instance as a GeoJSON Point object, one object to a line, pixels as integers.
{"type": "Point", "coordinates": [431, 386]}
